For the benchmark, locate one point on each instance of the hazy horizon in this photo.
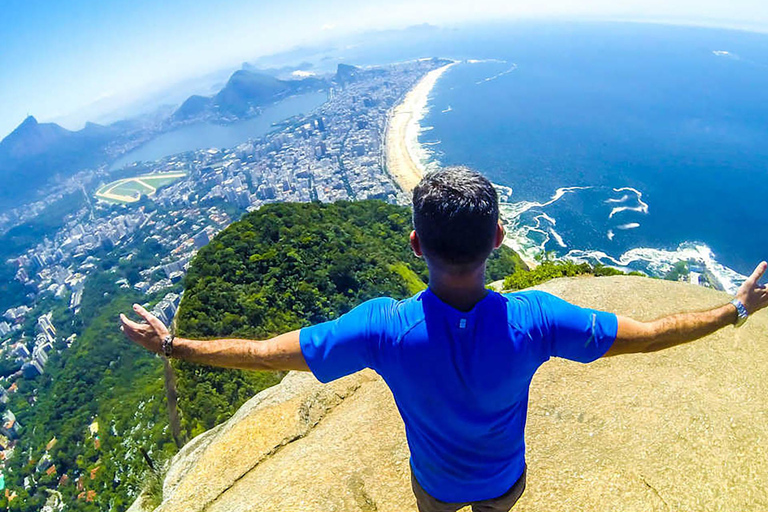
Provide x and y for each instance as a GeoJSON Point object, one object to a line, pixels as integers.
{"type": "Point", "coordinates": [86, 60]}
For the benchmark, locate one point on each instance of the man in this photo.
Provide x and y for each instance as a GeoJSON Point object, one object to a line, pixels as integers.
{"type": "Point", "coordinates": [458, 358]}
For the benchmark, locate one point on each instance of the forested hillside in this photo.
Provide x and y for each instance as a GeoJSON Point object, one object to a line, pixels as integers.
{"type": "Point", "coordinates": [99, 418]}
{"type": "Point", "coordinates": [284, 267]}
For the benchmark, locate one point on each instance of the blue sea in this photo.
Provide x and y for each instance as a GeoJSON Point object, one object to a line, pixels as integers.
{"type": "Point", "coordinates": [630, 144]}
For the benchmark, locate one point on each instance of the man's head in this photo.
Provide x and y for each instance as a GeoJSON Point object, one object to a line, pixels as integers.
{"type": "Point", "coordinates": [455, 217]}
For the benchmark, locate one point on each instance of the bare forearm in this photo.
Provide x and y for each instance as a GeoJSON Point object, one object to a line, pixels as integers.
{"type": "Point", "coordinates": [634, 336]}
{"type": "Point", "coordinates": [227, 353]}
{"type": "Point", "coordinates": [280, 353]}
{"type": "Point", "coordinates": [686, 327]}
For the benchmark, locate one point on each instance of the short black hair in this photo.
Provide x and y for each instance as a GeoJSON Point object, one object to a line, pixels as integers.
{"type": "Point", "coordinates": [455, 212]}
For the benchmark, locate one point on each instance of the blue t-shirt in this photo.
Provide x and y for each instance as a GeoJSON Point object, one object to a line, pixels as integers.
{"type": "Point", "coordinates": [460, 379]}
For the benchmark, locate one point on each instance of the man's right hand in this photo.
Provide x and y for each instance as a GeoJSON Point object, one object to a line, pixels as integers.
{"type": "Point", "coordinates": [279, 353]}
{"type": "Point", "coordinates": [751, 293]}
{"type": "Point", "coordinates": [149, 335]}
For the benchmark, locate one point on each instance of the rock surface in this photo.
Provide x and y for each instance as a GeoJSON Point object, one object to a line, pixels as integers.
{"type": "Point", "coordinates": [682, 429]}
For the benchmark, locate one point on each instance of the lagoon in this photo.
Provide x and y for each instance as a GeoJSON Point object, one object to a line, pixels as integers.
{"type": "Point", "coordinates": [205, 135]}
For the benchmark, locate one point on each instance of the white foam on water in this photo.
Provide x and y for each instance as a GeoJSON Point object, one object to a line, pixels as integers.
{"type": "Point", "coordinates": [557, 238]}
{"type": "Point", "coordinates": [483, 61]}
{"type": "Point", "coordinates": [498, 75]}
{"type": "Point", "coordinates": [547, 218]}
{"type": "Point", "coordinates": [658, 262]}
{"type": "Point", "coordinates": [519, 235]}
{"type": "Point", "coordinates": [642, 207]}
{"type": "Point", "coordinates": [725, 53]}
{"type": "Point", "coordinates": [523, 238]}
{"type": "Point", "coordinates": [530, 240]}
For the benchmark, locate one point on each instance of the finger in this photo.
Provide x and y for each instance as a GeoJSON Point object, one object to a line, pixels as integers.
{"type": "Point", "coordinates": [757, 274]}
{"type": "Point", "coordinates": [128, 324]}
{"type": "Point", "coordinates": [150, 318]}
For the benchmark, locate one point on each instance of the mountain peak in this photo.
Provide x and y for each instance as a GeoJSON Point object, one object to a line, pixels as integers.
{"type": "Point", "coordinates": [29, 121]}
{"type": "Point", "coordinates": [27, 125]}
{"type": "Point", "coordinates": [31, 137]}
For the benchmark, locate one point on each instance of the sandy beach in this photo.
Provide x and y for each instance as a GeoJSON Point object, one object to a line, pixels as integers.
{"type": "Point", "coordinates": [403, 164]}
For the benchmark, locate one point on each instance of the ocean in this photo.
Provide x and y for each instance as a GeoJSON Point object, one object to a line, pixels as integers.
{"type": "Point", "coordinates": [629, 144]}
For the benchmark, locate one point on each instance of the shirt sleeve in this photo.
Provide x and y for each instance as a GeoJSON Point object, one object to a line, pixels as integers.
{"type": "Point", "coordinates": [345, 345]}
{"type": "Point", "coordinates": [575, 333]}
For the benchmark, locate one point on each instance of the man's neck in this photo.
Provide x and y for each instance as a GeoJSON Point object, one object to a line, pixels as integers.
{"type": "Point", "coordinates": [460, 291]}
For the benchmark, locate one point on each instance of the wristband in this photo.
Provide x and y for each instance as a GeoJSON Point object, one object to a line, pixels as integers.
{"type": "Point", "coordinates": [742, 311]}
{"type": "Point", "coordinates": [167, 345]}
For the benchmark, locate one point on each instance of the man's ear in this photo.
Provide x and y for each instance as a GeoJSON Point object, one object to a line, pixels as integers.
{"type": "Point", "coordinates": [500, 233]}
{"type": "Point", "coordinates": [416, 244]}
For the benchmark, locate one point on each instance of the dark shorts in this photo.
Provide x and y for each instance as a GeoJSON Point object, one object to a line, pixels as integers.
{"type": "Point", "coordinates": [503, 503]}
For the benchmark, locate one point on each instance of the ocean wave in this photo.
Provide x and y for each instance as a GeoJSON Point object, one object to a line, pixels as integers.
{"type": "Point", "coordinates": [527, 235]}
{"type": "Point", "coordinates": [658, 262]}
{"type": "Point", "coordinates": [642, 207]}
{"type": "Point", "coordinates": [421, 155]}
{"type": "Point", "coordinates": [484, 61]}
{"type": "Point", "coordinates": [499, 75]}
{"type": "Point", "coordinates": [548, 218]}
{"type": "Point", "coordinates": [530, 232]}
{"type": "Point", "coordinates": [725, 53]}
{"type": "Point", "coordinates": [557, 238]}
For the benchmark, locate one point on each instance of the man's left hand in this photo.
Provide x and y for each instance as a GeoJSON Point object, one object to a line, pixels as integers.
{"type": "Point", "coordinates": [751, 294]}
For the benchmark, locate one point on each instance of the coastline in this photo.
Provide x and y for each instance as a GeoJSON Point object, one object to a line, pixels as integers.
{"type": "Point", "coordinates": [403, 161]}
{"type": "Point", "coordinates": [402, 144]}
{"type": "Point", "coordinates": [406, 160]}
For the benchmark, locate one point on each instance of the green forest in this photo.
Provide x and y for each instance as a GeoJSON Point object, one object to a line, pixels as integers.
{"type": "Point", "coordinates": [284, 267]}
{"type": "Point", "coordinates": [279, 268]}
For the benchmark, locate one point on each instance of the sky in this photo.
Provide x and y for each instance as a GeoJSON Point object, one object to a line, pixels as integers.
{"type": "Point", "coordinates": [68, 61]}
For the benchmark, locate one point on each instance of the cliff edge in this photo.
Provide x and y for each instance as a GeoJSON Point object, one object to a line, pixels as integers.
{"type": "Point", "coordinates": [681, 429]}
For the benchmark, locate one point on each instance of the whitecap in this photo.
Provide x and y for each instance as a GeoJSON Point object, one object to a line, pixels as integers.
{"type": "Point", "coordinates": [529, 236]}
{"type": "Point", "coordinates": [642, 206]}
{"type": "Point", "coordinates": [499, 75]}
{"type": "Point", "coordinates": [557, 238]}
{"type": "Point", "coordinates": [658, 262]}
{"type": "Point", "coordinates": [484, 61]}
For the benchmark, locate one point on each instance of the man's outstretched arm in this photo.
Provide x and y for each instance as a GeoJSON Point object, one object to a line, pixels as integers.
{"type": "Point", "coordinates": [279, 353]}
{"type": "Point", "coordinates": [635, 336]}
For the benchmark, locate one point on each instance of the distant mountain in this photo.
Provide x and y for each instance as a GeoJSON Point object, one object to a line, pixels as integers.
{"type": "Point", "coordinates": [346, 73]}
{"type": "Point", "coordinates": [193, 107]}
{"type": "Point", "coordinates": [34, 152]}
{"type": "Point", "coordinates": [32, 138]}
{"type": "Point", "coordinates": [245, 90]}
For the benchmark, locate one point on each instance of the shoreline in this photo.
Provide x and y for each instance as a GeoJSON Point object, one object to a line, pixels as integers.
{"type": "Point", "coordinates": [402, 133]}
{"type": "Point", "coordinates": [406, 163]}
{"type": "Point", "coordinates": [402, 163]}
